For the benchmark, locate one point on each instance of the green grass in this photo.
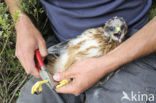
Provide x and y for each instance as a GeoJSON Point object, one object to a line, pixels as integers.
{"type": "Point", "coordinates": [12, 74]}
{"type": "Point", "coordinates": [153, 10]}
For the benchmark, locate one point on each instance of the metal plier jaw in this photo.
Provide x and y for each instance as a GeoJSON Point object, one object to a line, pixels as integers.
{"type": "Point", "coordinates": [45, 76]}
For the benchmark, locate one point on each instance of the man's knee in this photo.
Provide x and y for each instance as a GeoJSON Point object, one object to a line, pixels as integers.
{"type": "Point", "coordinates": [137, 77]}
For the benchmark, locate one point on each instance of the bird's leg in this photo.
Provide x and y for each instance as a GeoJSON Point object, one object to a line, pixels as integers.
{"type": "Point", "coordinates": [37, 87]}
{"type": "Point", "coordinates": [64, 82]}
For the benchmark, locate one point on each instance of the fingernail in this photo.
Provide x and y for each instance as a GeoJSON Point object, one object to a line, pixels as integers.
{"type": "Point", "coordinates": [56, 77]}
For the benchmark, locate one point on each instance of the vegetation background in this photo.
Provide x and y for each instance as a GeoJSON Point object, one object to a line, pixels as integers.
{"type": "Point", "coordinates": [12, 75]}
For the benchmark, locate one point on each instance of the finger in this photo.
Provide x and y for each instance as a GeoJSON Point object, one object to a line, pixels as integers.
{"type": "Point", "coordinates": [43, 49]}
{"type": "Point", "coordinates": [35, 73]}
{"type": "Point", "coordinates": [27, 61]}
{"type": "Point", "coordinates": [31, 66]}
{"type": "Point", "coordinates": [63, 75]}
{"type": "Point", "coordinates": [59, 70]}
{"type": "Point", "coordinates": [23, 63]}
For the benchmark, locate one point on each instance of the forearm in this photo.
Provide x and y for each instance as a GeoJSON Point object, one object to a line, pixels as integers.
{"type": "Point", "coordinates": [140, 44]}
{"type": "Point", "coordinates": [12, 4]}
{"type": "Point", "coordinates": [22, 20]}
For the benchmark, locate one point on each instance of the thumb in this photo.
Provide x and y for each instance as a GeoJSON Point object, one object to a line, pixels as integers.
{"type": "Point", "coordinates": [62, 75]}
{"type": "Point", "coordinates": [42, 48]}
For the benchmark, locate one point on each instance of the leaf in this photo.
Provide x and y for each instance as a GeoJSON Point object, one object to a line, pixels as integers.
{"type": "Point", "coordinates": [1, 33]}
{"type": "Point", "coordinates": [41, 10]}
{"type": "Point", "coordinates": [10, 78]}
{"type": "Point", "coordinates": [17, 94]}
{"type": "Point", "coordinates": [16, 15]}
{"type": "Point", "coordinates": [1, 21]}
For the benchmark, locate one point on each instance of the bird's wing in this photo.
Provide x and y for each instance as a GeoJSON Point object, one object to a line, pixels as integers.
{"type": "Point", "coordinates": [58, 48]}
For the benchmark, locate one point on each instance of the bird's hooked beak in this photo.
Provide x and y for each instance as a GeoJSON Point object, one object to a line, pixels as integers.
{"type": "Point", "coordinates": [118, 29]}
{"type": "Point", "coordinates": [118, 33]}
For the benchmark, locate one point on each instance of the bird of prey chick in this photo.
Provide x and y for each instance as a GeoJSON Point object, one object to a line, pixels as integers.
{"type": "Point", "coordinates": [92, 43]}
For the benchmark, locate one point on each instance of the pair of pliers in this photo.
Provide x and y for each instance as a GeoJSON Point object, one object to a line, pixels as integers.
{"type": "Point", "coordinates": [45, 75]}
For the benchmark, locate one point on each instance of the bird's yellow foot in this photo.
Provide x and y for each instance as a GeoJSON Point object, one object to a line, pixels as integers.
{"type": "Point", "coordinates": [62, 83]}
{"type": "Point", "coordinates": [37, 87]}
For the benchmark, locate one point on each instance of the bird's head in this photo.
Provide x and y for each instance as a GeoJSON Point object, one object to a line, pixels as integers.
{"type": "Point", "coordinates": [115, 29]}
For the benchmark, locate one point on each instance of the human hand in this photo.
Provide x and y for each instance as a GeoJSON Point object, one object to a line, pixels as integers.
{"type": "Point", "coordinates": [27, 41]}
{"type": "Point", "coordinates": [84, 73]}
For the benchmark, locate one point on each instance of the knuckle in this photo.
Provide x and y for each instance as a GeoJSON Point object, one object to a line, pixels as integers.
{"type": "Point", "coordinates": [76, 91]}
{"type": "Point", "coordinates": [44, 54]}
{"type": "Point", "coordinates": [28, 71]}
{"type": "Point", "coordinates": [17, 54]}
{"type": "Point", "coordinates": [42, 41]}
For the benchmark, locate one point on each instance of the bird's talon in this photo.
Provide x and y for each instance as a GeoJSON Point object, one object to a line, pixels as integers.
{"type": "Point", "coordinates": [62, 83]}
{"type": "Point", "coordinates": [37, 93]}
{"type": "Point", "coordinates": [37, 87]}
{"type": "Point", "coordinates": [40, 89]}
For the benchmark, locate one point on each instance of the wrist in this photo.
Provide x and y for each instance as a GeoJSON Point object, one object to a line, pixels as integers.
{"type": "Point", "coordinates": [23, 22]}
{"type": "Point", "coordinates": [108, 63]}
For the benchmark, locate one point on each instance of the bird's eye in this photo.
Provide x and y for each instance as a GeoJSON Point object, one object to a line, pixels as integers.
{"type": "Point", "coordinates": [111, 28]}
{"type": "Point", "coordinates": [122, 27]}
